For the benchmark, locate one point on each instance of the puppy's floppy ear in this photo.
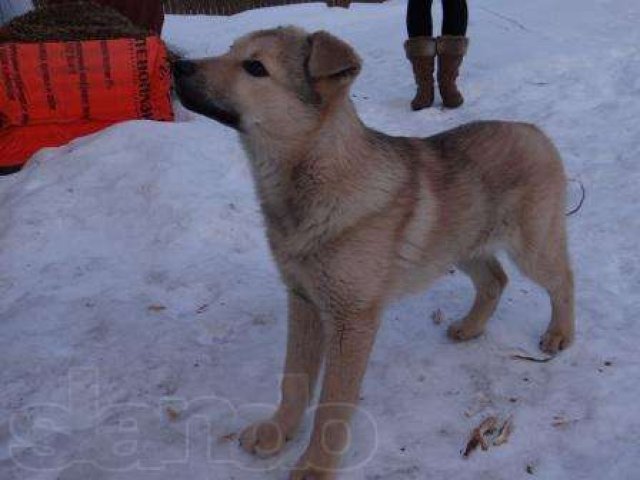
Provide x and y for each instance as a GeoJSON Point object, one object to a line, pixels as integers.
{"type": "Point", "coordinates": [331, 58]}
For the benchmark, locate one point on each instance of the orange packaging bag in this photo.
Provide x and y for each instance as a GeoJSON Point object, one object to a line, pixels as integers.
{"type": "Point", "coordinates": [55, 91]}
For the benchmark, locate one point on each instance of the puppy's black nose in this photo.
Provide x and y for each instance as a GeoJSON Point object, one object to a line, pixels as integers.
{"type": "Point", "coordinates": [184, 68]}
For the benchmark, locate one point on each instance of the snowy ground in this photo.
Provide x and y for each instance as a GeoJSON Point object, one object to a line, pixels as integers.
{"type": "Point", "coordinates": [135, 281]}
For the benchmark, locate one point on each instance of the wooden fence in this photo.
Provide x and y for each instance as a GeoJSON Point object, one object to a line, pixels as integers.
{"type": "Point", "coordinates": [220, 7]}
{"type": "Point", "coordinates": [229, 7]}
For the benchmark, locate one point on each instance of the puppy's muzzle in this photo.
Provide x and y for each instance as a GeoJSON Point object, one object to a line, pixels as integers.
{"type": "Point", "coordinates": [184, 68]}
{"type": "Point", "coordinates": [190, 84]}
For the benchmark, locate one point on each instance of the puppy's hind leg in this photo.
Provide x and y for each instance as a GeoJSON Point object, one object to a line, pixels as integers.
{"type": "Point", "coordinates": [305, 351]}
{"type": "Point", "coordinates": [489, 280]}
{"type": "Point", "coordinates": [544, 259]}
{"type": "Point", "coordinates": [561, 329]}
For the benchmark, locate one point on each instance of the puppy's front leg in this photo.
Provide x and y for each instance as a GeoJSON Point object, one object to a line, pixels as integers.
{"type": "Point", "coordinates": [305, 343]}
{"type": "Point", "coordinates": [350, 337]}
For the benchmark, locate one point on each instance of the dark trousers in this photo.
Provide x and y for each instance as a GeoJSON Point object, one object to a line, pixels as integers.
{"type": "Point", "coordinates": [420, 22]}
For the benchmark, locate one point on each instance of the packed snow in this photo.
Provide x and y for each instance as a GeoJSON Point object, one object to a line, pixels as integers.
{"type": "Point", "coordinates": [142, 321]}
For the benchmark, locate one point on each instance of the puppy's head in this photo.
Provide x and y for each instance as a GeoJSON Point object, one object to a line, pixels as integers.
{"type": "Point", "coordinates": [278, 80]}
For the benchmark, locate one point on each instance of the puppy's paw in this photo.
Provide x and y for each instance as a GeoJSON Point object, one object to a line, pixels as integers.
{"type": "Point", "coordinates": [463, 330]}
{"type": "Point", "coordinates": [315, 465]}
{"type": "Point", "coordinates": [555, 340]}
{"type": "Point", "coordinates": [310, 473]}
{"type": "Point", "coordinates": [263, 439]}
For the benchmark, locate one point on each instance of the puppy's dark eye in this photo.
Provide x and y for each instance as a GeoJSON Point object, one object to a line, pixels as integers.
{"type": "Point", "coordinates": [255, 68]}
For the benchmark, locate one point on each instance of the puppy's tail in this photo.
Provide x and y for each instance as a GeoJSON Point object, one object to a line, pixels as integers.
{"type": "Point", "coordinates": [583, 195]}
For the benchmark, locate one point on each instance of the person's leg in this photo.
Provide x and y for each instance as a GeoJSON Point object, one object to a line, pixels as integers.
{"type": "Point", "coordinates": [451, 47]}
{"type": "Point", "coordinates": [420, 49]}
{"type": "Point", "coordinates": [419, 21]}
{"type": "Point", "coordinates": [455, 17]}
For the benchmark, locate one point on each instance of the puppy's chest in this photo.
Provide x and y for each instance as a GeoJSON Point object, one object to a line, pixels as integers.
{"type": "Point", "coordinates": [299, 273]}
{"type": "Point", "coordinates": [293, 241]}
{"type": "Point", "coordinates": [296, 245]}
{"type": "Point", "coordinates": [298, 220]}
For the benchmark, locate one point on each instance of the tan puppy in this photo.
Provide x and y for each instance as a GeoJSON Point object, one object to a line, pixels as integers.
{"type": "Point", "coordinates": [356, 217]}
